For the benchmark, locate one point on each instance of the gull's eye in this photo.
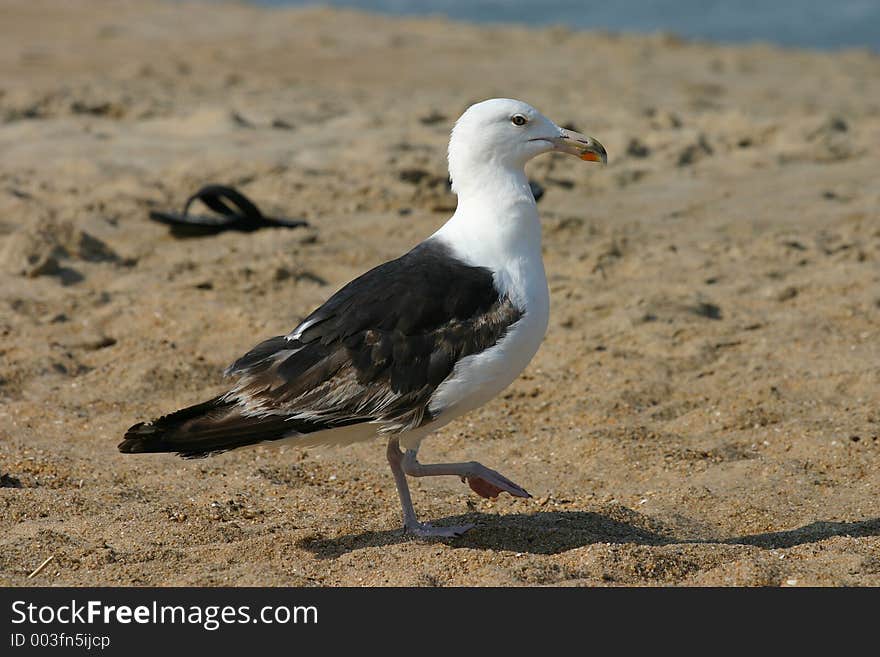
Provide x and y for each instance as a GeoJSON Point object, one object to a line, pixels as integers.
{"type": "Point", "coordinates": [518, 119]}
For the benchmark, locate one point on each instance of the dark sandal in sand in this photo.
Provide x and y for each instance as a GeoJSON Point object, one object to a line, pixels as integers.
{"type": "Point", "coordinates": [234, 212]}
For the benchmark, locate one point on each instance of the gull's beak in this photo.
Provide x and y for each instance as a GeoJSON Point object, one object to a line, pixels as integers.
{"type": "Point", "coordinates": [586, 148]}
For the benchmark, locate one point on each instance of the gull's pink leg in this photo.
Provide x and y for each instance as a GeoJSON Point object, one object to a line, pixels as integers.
{"type": "Point", "coordinates": [411, 523]}
{"type": "Point", "coordinates": [482, 480]}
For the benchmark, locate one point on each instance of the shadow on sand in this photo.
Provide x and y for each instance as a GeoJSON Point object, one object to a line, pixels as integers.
{"type": "Point", "coordinates": [553, 532]}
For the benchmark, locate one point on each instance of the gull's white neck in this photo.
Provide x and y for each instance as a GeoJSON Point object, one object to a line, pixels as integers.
{"type": "Point", "coordinates": [496, 219]}
{"type": "Point", "coordinates": [496, 226]}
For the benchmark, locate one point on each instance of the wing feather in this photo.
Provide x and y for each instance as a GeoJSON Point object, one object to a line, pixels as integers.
{"type": "Point", "coordinates": [377, 349]}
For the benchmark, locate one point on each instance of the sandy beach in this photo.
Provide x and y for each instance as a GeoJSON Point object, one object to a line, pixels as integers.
{"type": "Point", "coordinates": [705, 409]}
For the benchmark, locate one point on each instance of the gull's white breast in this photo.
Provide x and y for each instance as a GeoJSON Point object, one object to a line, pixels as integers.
{"type": "Point", "coordinates": [480, 377]}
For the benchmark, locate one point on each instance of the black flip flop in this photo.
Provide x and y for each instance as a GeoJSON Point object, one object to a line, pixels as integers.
{"type": "Point", "coordinates": [234, 212]}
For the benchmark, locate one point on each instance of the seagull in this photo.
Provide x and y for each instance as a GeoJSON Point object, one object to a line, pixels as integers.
{"type": "Point", "coordinates": [414, 343]}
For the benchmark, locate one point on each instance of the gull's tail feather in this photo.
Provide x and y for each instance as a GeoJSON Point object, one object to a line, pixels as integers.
{"type": "Point", "coordinates": [216, 425]}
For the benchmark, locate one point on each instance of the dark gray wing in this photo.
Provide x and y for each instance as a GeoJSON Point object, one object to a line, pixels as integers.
{"type": "Point", "coordinates": [378, 348]}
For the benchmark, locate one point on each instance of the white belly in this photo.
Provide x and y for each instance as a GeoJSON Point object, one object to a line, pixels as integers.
{"type": "Point", "coordinates": [480, 377]}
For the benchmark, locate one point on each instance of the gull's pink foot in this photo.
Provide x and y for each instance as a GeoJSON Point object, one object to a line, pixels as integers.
{"type": "Point", "coordinates": [425, 530]}
{"type": "Point", "coordinates": [490, 483]}
{"type": "Point", "coordinates": [483, 488]}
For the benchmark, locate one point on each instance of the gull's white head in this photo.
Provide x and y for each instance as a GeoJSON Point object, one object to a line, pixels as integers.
{"type": "Point", "coordinates": [502, 134]}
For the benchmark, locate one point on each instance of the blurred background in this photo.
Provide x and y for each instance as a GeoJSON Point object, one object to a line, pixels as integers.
{"type": "Point", "coordinates": [803, 23]}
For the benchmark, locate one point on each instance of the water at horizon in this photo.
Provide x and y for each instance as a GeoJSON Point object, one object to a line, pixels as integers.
{"type": "Point", "coordinates": [824, 24]}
